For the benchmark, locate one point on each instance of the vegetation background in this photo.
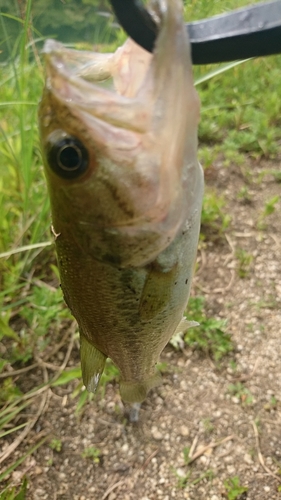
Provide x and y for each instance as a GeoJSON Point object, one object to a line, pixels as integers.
{"type": "Point", "coordinates": [241, 115]}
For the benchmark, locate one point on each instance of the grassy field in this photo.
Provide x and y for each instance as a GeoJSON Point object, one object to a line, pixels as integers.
{"type": "Point", "coordinates": [241, 114]}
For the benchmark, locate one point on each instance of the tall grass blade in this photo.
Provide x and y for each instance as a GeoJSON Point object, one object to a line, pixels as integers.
{"type": "Point", "coordinates": [219, 71]}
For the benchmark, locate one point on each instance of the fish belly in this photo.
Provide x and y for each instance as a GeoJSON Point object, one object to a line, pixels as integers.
{"type": "Point", "coordinates": [127, 314]}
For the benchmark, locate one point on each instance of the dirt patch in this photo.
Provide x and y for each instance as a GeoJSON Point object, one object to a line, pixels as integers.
{"type": "Point", "coordinates": [227, 418]}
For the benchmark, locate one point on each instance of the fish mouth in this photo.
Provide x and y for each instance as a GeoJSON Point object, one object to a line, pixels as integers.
{"type": "Point", "coordinates": [90, 83]}
{"type": "Point", "coordinates": [130, 89]}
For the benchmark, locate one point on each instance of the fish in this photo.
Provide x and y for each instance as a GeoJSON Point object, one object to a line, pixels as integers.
{"type": "Point", "coordinates": [118, 136]}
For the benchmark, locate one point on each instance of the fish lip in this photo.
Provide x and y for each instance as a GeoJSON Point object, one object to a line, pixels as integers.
{"type": "Point", "coordinates": [51, 46]}
{"type": "Point", "coordinates": [63, 64]}
{"type": "Point", "coordinates": [57, 58]}
{"type": "Point", "coordinates": [86, 98]}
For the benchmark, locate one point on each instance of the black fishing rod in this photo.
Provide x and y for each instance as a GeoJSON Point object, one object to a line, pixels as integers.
{"type": "Point", "coordinates": [251, 31]}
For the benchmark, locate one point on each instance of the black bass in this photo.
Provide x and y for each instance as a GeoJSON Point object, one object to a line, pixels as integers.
{"type": "Point", "coordinates": [119, 141]}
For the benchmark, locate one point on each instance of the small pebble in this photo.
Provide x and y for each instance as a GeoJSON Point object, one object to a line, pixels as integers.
{"type": "Point", "coordinates": [184, 431]}
{"type": "Point", "coordinates": [112, 496]}
{"type": "Point", "coordinates": [181, 472]}
{"type": "Point", "coordinates": [230, 469]}
{"type": "Point", "coordinates": [156, 434]}
{"type": "Point", "coordinates": [248, 459]}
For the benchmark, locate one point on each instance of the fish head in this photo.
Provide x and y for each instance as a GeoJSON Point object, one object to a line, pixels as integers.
{"type": "Point", "coordinates": [119, 142]}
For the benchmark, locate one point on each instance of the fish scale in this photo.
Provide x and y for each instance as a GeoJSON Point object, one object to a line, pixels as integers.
{"type": "Point", "coordinates": [126, 193]}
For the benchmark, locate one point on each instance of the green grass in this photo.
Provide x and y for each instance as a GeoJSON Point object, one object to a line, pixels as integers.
{"type": "Point", "coordinates": [237, 116]}
{"type": "Point", "coordinates": [15, 493]}
{"type": "Point", "coordinates": [214, 220]}
{"type": "Point", "coordinates": [234, 489]}
{"type": "Point", "coordinates": [244, 261]}
{"type": "Point", "coordinates": [269, 209]}
{"type": "Point", "coordinates": [184, 479]}
{"type": "Point", "coordinates": [241, 392]}
{"type": "Point", "coordinates": [195, 10]}
{"type": "Point", "coordinates": [240, 114]}
{"type": "Point", "coordinates": [93, 453]}
{"type": "Point", "coordinates": [210, 335]}
{"type": "Point", "coordinates": [56, 445]}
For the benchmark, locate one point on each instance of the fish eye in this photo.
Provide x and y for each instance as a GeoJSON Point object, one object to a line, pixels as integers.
{"type": "Point", "coordinates": [68, 157]}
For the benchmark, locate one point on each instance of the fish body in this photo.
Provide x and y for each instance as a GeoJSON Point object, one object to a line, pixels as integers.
{"type": "Point", "coordinates": [126, 192]}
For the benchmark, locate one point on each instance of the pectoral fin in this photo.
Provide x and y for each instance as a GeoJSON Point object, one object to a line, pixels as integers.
{"type": "Point", "coordinates": [157, 292]}
{"type": "Point", "coordinates": [177, 339]}
{"type": "Point", "coordinates": [92, 364]}
{"type": "Point", "coordinates": [184, 325]}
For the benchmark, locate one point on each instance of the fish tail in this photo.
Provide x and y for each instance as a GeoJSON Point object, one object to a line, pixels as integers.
{"type": "Point", "coordinates": [136, 392]}
{"type": "Point", "coordinates": [92, 364]}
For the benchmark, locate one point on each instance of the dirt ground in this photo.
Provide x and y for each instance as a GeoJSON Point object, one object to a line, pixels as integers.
{"type": "Point", "coordinates": [229, 434]}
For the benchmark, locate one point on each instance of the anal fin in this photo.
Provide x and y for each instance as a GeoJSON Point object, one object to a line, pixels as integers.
{"type": "Point", "coordinates": [136, 392]}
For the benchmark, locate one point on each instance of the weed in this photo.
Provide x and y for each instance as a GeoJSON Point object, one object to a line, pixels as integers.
{"type": "Point", "coordinates": [269, 208]}
{"type": "Point", "coordinates": [233, 488]}
{"type": "Point", "coordinates": [244, 259]}
{"type": "Point", "coordinates": [93, 453]}
{"type": "Point", "coordinates": [233, 365]}
{"type": "Point", "coordinates": [209, 336]}
{"type": "Point", "coordinates": [208, 425]}
{"type": "Point", "coordinates": [81, 395]}
{"type": "Point", "coordinates": [233, 157]}
{"type": "Point", "coordinates": [279, 473]}
{"type": "Point", "coordinates": [209, 475]}
{"type": "Point", "coordinates": [241, 392]}
{"type": "Point", "coordinates": [277, 175]}
{"type": "Point", "coordinates": [56, 444]}
{"type": "Point", "coordinates": [206, 156]}
{"type": "Point", "coordinates": [250, 326]}
{"type": "Point", "coordinates": [244, 195]}
{"type": "Point", "coordinates": [9, 390]}
{"type": "Point", "coordinates": [182, 477]}
{"type": "Point", "coordinates": [214, 221]}
{"type": "Point", "coordinates": [44, 312]}
{"type": "Point", "coordinates": [269, 302]}
{"type": "Point", "coordinates": [235, 120]}
{"type": "Point", "coordinates": [15, 493]}
{"type": "Point", "coordinates": [272, 404]}
{"type": "Point", "coordinates": [186, 451]}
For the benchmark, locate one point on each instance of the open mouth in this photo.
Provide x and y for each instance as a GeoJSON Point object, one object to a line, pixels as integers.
{"type": "Point", "coordinates": [84, 82]}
